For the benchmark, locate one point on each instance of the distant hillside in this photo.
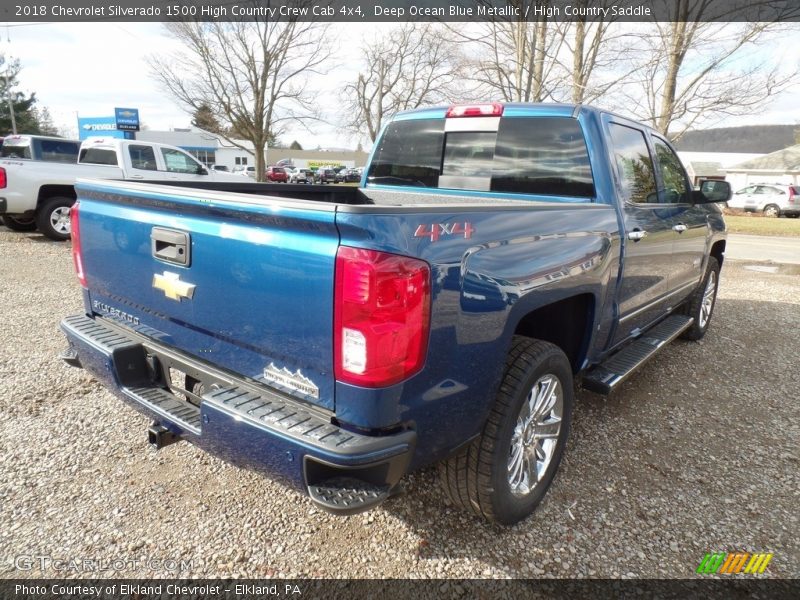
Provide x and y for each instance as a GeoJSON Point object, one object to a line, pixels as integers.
{"type": "Point", "coordinates": [761, 139]}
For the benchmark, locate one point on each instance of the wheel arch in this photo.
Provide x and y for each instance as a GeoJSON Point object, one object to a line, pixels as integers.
{"type": "Point", "coordinates": [718, 251]}
{"type": "Point", "coordinates": [567, 323]}
{"type": "Point", "coordinates": [53, 191]}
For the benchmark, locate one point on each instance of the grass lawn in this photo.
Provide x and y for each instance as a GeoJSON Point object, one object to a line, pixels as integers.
{"type": "Point", "coordinates": [763, 225]}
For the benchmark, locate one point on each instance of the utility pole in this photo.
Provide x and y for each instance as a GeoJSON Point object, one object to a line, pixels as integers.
{"type": "Point", "coordinates": [8, 87]}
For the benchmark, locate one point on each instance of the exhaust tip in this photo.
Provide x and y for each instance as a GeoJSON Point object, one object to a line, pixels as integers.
{"type": "Point", "coordinates": [159, 436]}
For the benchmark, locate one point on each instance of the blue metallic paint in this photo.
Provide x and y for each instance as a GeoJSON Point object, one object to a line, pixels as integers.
{"type": "Point", "coordinates": [517, 260]}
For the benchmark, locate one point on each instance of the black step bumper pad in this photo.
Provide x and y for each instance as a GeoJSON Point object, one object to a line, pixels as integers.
{"type": "Point", "coordinates": [248, 425]}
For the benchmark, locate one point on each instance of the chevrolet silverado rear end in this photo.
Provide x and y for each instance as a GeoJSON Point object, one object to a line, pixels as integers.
{"type": "Point", "coordinates": [341, 338]}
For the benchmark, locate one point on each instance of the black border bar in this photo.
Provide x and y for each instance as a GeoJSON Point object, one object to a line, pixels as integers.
{"type": "Point", "coordinates": [710, 588]}
{"type": "Point", "coordinates": [398, 11]}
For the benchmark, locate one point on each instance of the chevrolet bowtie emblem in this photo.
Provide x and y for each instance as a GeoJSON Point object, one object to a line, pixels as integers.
{"type": "Point", "coordinates": [172, 286]}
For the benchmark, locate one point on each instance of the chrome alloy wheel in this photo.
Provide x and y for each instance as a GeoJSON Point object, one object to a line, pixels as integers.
{"type": "Point", "coordinates": [535, 436]}
{"type": "Point", "coordinates": [59, 219]}
{"type": "Point", "coordinates": [708, 299]}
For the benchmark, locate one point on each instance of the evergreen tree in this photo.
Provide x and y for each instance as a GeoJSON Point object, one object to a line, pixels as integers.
{"type": "Point", "coordinates": [295, 146]}
{"type": "Point", "coordinates": [27, 120]}
{"type": "Point", "coordinates": [46, 125]}
{"type": "Point", "coordinates": [204, 118]}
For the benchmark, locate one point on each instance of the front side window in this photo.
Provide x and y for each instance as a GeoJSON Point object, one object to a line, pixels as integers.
{"type": "Point", "coordinates": [674, 190]}
{"type": "Point", "coordinates": [178, 162]}
{"type": "Point", "coordinates": [143, 157]}
{"type": "Point", "coordinates": [634, 164]}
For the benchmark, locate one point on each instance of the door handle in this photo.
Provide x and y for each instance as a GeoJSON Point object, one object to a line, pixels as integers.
{"type": "Point", "coordinates": [637, 234]}
{"type": "Point", "coordinates": [680, 227]}
{"type": "Point", "coordinates": [137, 177]}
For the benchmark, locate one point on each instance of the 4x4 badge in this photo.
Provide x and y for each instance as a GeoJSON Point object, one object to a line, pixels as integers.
{"type": "Point", "coordinates": [172, 286]}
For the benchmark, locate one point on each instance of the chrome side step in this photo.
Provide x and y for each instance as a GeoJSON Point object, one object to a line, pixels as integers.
{"type": "Point", "coordinates": [608, 375]}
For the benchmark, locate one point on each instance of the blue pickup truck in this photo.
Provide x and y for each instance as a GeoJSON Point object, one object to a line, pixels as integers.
{"type": "Point", "coordinates": [494, 257]}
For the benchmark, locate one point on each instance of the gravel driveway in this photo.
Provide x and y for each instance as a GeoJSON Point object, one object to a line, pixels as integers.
{"type": "Point", "coordinates": [699, 452]}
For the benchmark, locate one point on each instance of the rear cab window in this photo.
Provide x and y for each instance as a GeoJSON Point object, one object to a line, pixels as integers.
{"type": "Point", "coordinates": [98, 156]}
{"type": "Point", "coordinates": [16, 148]}
{"type": "Point", "coordinates": [536, 155]}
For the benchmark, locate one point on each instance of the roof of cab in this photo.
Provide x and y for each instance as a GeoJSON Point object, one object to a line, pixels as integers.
{"type": "Point", "coordinates": [510, 109]}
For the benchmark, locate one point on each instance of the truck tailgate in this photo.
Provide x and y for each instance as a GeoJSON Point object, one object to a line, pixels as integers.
{"type": "Point", "coordinates": [255, 295]}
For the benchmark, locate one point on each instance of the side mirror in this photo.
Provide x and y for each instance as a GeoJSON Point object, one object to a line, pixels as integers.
{"type": "Point", "coordinates": [201, 171]}
{"type": "Point", "coordinates": [712, 191]}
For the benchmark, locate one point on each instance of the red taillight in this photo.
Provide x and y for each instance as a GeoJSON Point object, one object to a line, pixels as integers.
{"type": "Point", "coordinates": [75, 232]}
{"type": "Point", "coordinates": [381, 316]}
{"type": "Point", "coordinates": [3, 180]}
{"type": "Point", "coordinates": [792, 195]}
{"type": "Point", "coordinates": [495, 109]}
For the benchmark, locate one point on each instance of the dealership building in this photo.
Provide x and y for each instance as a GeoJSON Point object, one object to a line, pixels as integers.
{"type": "Point", "coordinates": [213, 149]}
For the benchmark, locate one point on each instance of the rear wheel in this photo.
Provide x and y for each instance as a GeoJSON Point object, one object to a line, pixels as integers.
{"type": "Point", "coordinates": [53, 218]}
{"type": "Point", "coordinates": [504, 474]}
{"type": "Point", "coordinates": [772, 210]}
{"type": "Point", "coordinates": [19, 224]}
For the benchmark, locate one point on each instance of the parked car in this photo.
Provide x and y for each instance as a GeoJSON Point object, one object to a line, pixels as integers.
{"type": "Point", "coordinates": [245, 171]}
{"type": "Point", "coordinates": [301, 176]}
{"type": "Point", "coordinates": [277, 174]}
{"type": "Point", "coordinates": [348, 176]}
{"type": "Point", "coordinates": [325, 175]}
{"type": "Point", "coordinates": [771, 199]}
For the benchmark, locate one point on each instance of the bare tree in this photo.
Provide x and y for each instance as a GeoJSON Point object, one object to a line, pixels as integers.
{"type": "Point", "coordinates": [513, 60]}
{"type": "Point", "coordinates": [414, 64]}
{"type": "Point", "coordinates": [596, 55]}
{"type": "Point", "coordinates": [252, 75]}
{"type": "Point", "coordinates": [691, 68]}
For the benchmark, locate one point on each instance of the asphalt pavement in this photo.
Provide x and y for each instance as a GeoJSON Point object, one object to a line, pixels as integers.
{"type": "Point", "coordinates": [784, 250]}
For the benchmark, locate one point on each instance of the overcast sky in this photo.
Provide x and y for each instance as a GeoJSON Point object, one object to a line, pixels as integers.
{"type": "Point", "coordinates": [89, 68]}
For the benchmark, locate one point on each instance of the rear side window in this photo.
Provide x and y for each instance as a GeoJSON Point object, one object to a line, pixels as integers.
{"type": "Point", "coordinates": [57, 150]}
{"type": "Point", "coordinates": [143, 157]}
{"type": "Point", "coordinates": [410, 153]}
{"type": "Point", "coordinates": [98, 156]}
{"type": "Point", "coordinates": [634, 164]}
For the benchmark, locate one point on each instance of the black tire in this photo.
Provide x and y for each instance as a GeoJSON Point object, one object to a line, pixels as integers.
{"type": "Point", "coordinates": [772, 210]}
{"type": "Point", "coordinates": [19, 224]}
{"type": "Point", "coordinates": [50, 218]}
{"type": "Point", "coordinates": [477, 478]}
{"type": "Point", "coordinates": [694, 305]}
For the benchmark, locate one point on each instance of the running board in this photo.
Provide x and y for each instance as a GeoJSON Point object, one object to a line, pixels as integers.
{"type": "Point", "coordinates": [608, 375]}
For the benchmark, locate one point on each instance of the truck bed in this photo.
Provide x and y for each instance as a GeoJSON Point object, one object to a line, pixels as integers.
{"type": "Point", "coordinates": [350, 195]}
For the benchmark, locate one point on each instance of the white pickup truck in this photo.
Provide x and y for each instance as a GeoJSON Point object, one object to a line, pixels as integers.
{"type": "Point", "coordinates": [36, 194]}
